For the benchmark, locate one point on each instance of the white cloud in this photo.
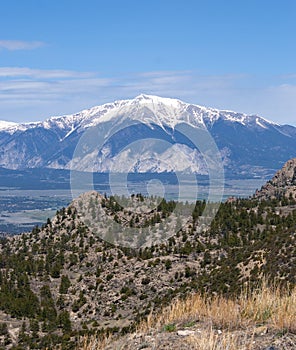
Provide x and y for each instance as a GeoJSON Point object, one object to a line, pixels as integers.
{"type": "Point", "coordinates": [10, 72]}
{"type": "Point", "coordinates": [28, 94]}
{"type": "Point", "coordinates": [13, 45]}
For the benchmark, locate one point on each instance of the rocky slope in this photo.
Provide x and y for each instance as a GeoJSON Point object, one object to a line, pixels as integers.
{"type": "Point", "coordinates": [63, 279]}
{"type": "Point", "coordinates": [283, 184]}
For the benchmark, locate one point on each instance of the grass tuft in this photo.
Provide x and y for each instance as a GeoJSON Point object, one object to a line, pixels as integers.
{"type": "Point", "coordinates": [223, 320]}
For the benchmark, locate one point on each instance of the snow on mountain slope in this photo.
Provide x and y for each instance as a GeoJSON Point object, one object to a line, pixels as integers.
{"type": "Point", "coordinates": [4, 125]}
{"type": "Point", "coordinates": [245, 141]}
{"type": "Point", "coordinates": [163, 111]}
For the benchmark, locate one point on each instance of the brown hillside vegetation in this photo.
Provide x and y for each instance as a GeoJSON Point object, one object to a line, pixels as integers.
{"type": "Point", "coordinates": [262, 319]}
{"type": "Point", "coordinates": [66, 281]}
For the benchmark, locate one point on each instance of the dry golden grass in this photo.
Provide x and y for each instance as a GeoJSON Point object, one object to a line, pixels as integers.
{"type": "Point", "coordinates": [271, 305]}
{"type": "Point", "coordinates": [218, 310]}
{"type": "Point", "coordinates": [94, 343]}
{"type": "Point", "coordinates": [268, 305]}
{"type": "Point", "coordinates": [226, 341]}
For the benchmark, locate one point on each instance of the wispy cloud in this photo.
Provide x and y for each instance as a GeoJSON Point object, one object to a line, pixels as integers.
{"type": "Point", "coordinates": [13, 72]}
{"type": "Point", "coordinates": [13, 45]}
{"type": "Point", "coordinates": [28, 94]}
{"type": "Point", "coordinates": [288, 76]}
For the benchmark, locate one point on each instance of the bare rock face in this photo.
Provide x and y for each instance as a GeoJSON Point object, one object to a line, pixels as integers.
{"type": "Point", "coordinates": [283, 184]}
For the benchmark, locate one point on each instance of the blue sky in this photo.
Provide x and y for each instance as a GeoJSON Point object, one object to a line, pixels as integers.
{"type": "Point", "coordinates": [58, 57]}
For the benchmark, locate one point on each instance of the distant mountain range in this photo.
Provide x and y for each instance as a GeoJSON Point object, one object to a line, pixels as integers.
{"type": "Point", "coordinates": [143, 135]}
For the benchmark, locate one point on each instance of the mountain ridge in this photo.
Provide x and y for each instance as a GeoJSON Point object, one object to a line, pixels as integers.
{"type": "Point", "coordinates": [67, 279]}
{"type": "Point", "coordinates": [244, 141]}
{"type": "Point", "coordinates": [85, 113]}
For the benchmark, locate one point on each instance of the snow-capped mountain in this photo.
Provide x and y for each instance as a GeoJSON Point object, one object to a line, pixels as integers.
{"type": "Point", "coordinates": [145, 135]}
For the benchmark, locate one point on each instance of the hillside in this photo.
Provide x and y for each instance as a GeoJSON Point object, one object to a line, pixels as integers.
{"type": "Point", "coordinates": [62, 280]}
{"type": "Point", "coordinates": [264, 319]}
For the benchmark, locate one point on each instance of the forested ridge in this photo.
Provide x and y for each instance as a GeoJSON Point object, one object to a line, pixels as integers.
{"type": "Point", "coordinates": [62, 280]}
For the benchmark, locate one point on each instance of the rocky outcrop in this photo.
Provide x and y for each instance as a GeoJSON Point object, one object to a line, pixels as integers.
{"type": "Point", "coordinates": [283, 184]}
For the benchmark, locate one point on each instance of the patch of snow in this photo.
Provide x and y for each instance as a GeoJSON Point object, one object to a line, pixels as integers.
{"type": "Point", "coordinates": [149, 109]}
{"type": "Point", "coordinates": [6, 125]}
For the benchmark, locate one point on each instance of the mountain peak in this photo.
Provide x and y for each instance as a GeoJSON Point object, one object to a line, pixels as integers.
{"type": "Point", "coordinates": [163, 110]}
{"type": "Point", "coordinates": [246, 141]}
{"type": "Point", "coordinates": [158, 99]}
